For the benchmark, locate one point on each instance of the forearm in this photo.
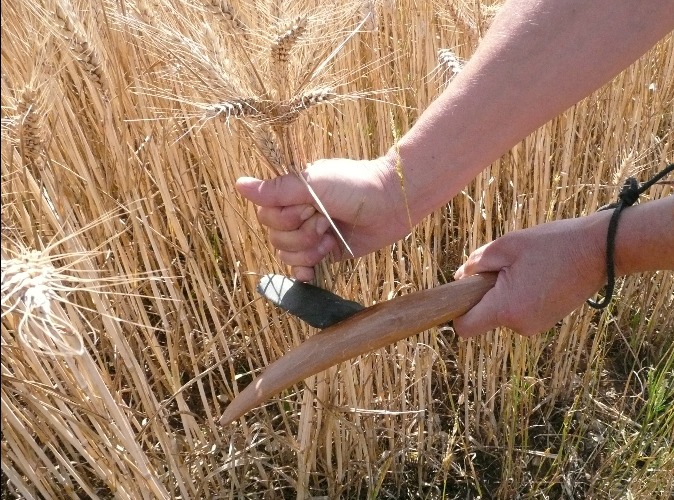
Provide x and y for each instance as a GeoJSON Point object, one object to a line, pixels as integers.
{"type": "Point", "coordinates": [644, 238]}
{"type": "Point", "coordinates": [547, 271]}
{"type": "Point", "coordinates": [537, 59]}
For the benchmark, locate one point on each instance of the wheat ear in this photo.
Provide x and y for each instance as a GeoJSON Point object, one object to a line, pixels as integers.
{"type": "Point", "coordinates": [280, 53]}
{"type": "Point", "coordinates": [30, 129]}
{"type": "Point", "coordinates": [80, 45]}
{"type": "Point", "coordinates": [280, 49]}
{"type": "Point", "coordinates": [228, 14]}
{"type": "Point", "coordinates": [146, 11]}
{"type": "Point", "coordinates": [449, 62]}
{"type": "Point", "coordinates": [247, 106]}
{"type": "Point", "coordinates": [267, 146]}
{"type": "Point", "coordinates": [312, 98]}
{"type": "Point", "coordinates": [29, 285]}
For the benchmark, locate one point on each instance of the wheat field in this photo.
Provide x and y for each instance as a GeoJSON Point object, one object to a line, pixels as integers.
{"type": "Point", "coordinates": [129, 264]}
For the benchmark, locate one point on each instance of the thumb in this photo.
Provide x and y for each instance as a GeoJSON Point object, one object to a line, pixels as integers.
{"type": "Point", "coordinates": [280, 191]}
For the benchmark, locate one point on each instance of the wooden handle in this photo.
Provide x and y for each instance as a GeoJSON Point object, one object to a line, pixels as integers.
{"type": "Point", "coordinates": [372, 328]}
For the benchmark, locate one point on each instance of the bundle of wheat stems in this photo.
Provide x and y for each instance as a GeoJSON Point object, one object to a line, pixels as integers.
{"type": "Point", "coordinates": [129, 264]}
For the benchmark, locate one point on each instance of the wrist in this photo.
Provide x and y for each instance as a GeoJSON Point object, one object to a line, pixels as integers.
{"type": "Point", "coordinates": [644, 239]}
{"type": "Point", "coordinates": [405, 205]}
{"type": "Point", "coordinates": [418, 183]}
{"type": "Point", "coordinates": [595, 240]}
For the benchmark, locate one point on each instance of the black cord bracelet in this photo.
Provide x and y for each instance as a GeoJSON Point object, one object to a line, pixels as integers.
{"type": "Point", "coordinates": [629, 194]}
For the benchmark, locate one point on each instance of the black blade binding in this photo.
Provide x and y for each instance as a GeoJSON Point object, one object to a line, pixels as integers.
{"type": "Point", "coordinates": [318, 307]}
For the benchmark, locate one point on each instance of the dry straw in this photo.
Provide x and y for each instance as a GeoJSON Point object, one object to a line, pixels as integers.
{"type": "Point", "coordinates": [120, 151]}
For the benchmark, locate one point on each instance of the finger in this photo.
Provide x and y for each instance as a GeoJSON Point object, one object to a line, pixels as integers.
{"type": "Point", "coordinates": [484, 259]}
{"type": "Point", "coordinates": [310, 256]}
{"type": "Point", "coordinates": [285, 218]}
{"type": "Point", "coordinates": [482, 318]}
{"type": "Point", "coordinates": [460, 273]}
{"type": "Point", "coordinates": [307, 236]}
{"type": "Point", "coordinates": [284, 190]}
{"type": "Point", "coordinates": [303, 273]}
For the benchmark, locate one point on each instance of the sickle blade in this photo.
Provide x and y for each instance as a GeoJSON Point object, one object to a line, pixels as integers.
{"type": "Point", "coordinates": [316, 306]}
{"type": "Point", "coordinates": [377, 326]}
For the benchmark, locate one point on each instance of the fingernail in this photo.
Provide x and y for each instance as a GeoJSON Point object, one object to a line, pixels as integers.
{"type": "Point", "coordinates": [322, 225]}
{"type": "Point", "coordinates": [307, 212]}
{"type": "Point", "coordinates": [324, 245]}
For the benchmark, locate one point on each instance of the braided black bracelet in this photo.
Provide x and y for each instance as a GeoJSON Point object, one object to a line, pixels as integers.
{"type": "Point", "coordinates": [629, 194]}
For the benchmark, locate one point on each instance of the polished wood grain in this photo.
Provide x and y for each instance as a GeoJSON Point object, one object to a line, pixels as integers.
{"type": "Point", "coordinates": [370, 329]}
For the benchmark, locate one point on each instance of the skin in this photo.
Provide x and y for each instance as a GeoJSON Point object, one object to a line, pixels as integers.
{"type": "Point", "coordinates": [533, 53]}
{"type": "Point", "coordinates": [547, 271]}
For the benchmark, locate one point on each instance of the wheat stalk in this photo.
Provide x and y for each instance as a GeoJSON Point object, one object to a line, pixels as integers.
{"type": "Point", "coordinates": [163, 295]}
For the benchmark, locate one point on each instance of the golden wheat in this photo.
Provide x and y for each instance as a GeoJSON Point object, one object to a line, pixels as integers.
{"type": "Point", "coordinates": [284, 42]}
{"type": "Point", "coordinates": [29, 287]}
{"type": "Point", "coordinates": [450, 64]}
{"type": "Point", "coordinates": [83, 49]}
{"type": "Point", "coordinates": [152, 259]}
{"type": "Point", "coordinates": [227, 13]}
{"type": "Point", "coordinates": [267, 145]}
{"type": "Point", "coordinates": [29, 127]}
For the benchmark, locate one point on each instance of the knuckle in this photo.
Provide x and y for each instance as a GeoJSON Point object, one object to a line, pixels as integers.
{"type": "Point", "coordinates": [303, 273]}
{"type": "Point", "coordinates": [527, 331]}
{"type": "Point", "coordinates": [278, 183]}
{"type": "Point", "coordinates": [284, 221]}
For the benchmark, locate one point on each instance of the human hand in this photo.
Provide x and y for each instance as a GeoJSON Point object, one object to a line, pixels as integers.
{"type": "Point", "coordinates": [361, 197]}
{"type": "Point", "coordinates": [545, 272]}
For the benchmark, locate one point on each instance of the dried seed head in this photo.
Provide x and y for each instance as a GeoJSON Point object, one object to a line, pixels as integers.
{"type": "Point", "coordinates": [267, 145]}
{"type": "Point", "coordinates": [312, 98]}
{"type": "Point", "coordinates": [449, 62]}
{"type": "Point", "coordinates": [29, 289]}
{"type": "Point", "coordinates": [81, 46]}
{"type": "Point", "coordinates": [146, 11]}
{"type": "Point", "coordinates": [227, 13]}
{"type": "Point", "coordinates": [66, 21]}
{"type": "Point", "coordinates": [284, 42]}
{"type": "Point", "coordinates": [236, 107]}
{"type": "Point", "coordinates": [29, 126]}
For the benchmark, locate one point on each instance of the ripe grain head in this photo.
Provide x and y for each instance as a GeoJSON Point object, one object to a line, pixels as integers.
{"type": "Point", "coordinates": [162, 290]}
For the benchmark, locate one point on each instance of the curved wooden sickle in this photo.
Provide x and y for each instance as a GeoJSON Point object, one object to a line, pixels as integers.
{"type": "Point", "coordinates": [372, 328]}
